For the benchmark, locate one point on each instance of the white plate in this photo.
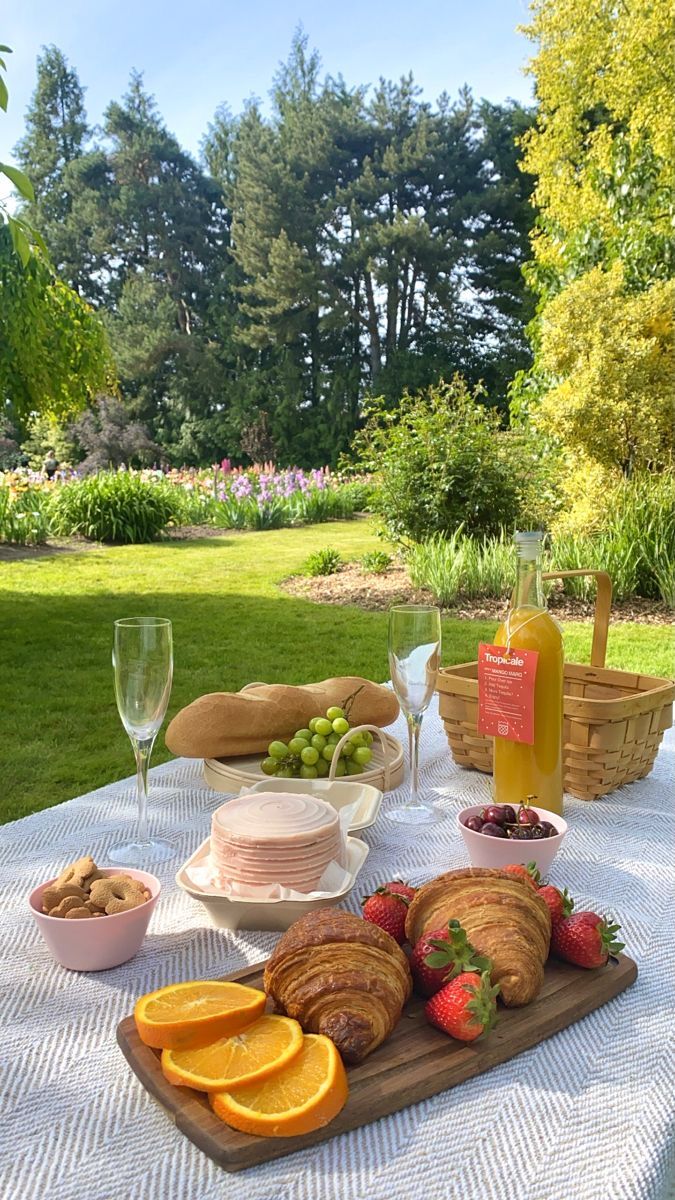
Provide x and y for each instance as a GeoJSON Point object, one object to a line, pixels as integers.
{"type": "Point", "coordinates": [269, 915]}
{"type": "Point", "coordinates": [337, 792]}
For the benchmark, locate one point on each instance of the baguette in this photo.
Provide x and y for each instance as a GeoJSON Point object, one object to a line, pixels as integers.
{"type": "Point", "coordinates": [229, 724]}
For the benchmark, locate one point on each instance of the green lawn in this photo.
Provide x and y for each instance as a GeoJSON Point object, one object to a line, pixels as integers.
{"type": "Point", "coordinates": [61, 734]}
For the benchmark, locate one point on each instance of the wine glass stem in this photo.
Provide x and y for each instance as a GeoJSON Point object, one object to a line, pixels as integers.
{"type": "Point", "coordinates": [143, 750]}
{"type": "Point", "coordinates": [414, 726]}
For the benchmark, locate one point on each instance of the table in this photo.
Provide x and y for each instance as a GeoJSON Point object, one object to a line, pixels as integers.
{"type": "Point", "coordinates": [588, 1115]}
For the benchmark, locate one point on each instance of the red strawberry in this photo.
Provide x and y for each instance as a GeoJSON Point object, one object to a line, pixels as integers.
{"type": "Point", "coordinates": [585, 939]}
{"type": "Point", "coordinates": [560, 904]}
{"type": "Point", "coordinates": [465, 1008]}
{"type": "Point", "coordinates": [442, 954]}
{"type": "Point", "coordinates": [400, 888]}
{"type": "Point", "coordinates": [530, 873]}
{"type": "Point", "coordinates": [388, 907]}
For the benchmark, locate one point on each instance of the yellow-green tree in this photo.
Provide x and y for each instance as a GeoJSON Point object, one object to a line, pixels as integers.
{"type": "Point", "coordinates": [603, 156]}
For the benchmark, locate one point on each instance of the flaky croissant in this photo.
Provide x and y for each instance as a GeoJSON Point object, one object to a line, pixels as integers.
{"type": "Point", "coordinates": [504, 918]}
{"type": "Point", "coordinates": [341, 976]}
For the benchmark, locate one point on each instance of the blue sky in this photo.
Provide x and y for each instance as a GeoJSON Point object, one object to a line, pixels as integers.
{"type": "Point", "coordinates": [198, 55]}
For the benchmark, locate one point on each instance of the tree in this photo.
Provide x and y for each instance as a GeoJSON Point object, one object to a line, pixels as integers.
{"type": "Point", "coordinates": [111, 438]}
{"type": "Point", "coordinates": [24, 238]}
{"type": "Point", "coordinates": [56, 139]}
{"type": "Point", "coordinates": [608, 356]}
{"type": "Point", "coordinates": [54, 354]}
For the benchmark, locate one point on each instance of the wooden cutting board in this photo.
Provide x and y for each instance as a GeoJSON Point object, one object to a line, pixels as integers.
{"type": "Point", "coordinates": [416, 1062]}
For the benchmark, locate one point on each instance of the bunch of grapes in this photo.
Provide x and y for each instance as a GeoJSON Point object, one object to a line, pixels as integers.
{"type": "Point", "coordinates": [308, 754]}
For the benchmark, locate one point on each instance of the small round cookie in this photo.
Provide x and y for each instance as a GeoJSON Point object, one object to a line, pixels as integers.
{"type": "Point", "coordinates": [117, 893]}
{"type": "Point", "coordinates": [78, 871]}
{"type": "Point", "coordinates": [67, 905]}
{"type": "Point", "coordinates": [55, 893]}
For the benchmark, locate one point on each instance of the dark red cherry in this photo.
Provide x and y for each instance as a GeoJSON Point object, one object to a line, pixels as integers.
{"type": "Point", "coordinates": [495, 813]}
{"type": "Point", "coordinates": [549, 829]}
{"type": "Point", "coordinates": [493, 830]}
{"type": "Point", "coordinates": [527, 816]}
{"type": "Point", "coordinates": [509, 814]}
{"type": "Point", "coordinates": [474, 823]}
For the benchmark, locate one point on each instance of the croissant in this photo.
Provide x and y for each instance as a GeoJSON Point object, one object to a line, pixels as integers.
{"type": "Point", "coordinates": [504, 918]}
{"type": "Point", "coordinates": [341, 976]}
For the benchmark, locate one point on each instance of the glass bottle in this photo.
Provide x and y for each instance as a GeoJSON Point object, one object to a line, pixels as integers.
{"type": "Point", "coordinates": [521, 770]}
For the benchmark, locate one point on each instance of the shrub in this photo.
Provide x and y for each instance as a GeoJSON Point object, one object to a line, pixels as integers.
{"type": "Point", "coordinates": [439, 464]}
{"type": "Point", "coordinates": [377, 561]}
{"type": "Point", "coordinates": [323, 562]}
{"type": "Point", "coordinates": [24, 517]}
{"type": "Point", "coordinates": [463, 566]}
{"type": "Point", "coordinates": [115, 507]}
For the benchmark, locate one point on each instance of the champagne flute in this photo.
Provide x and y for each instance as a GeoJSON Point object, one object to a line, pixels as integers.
{"type": "Point", "coordinates": [414, 657]}
{"type": "Point", "coordinates": [143, 666]}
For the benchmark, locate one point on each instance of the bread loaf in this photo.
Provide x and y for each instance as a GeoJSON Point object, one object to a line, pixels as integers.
{"type": "Point", "coordinates": [228, 724]}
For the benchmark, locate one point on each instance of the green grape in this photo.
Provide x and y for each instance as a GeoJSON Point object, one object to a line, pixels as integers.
{"type": "Point", "coordinates": [307, 771]}
{"type": "Point", "coordinates": [368, 737]}
{"type": "Point", "coordinates": [358, 739]}
{"type": "Point", "coordinates": [269, 766]}
{"type": "Point", "coordinates": [311, 725]}
{"type": "Point", "coordinates": [277, 750]}
{"type": "Point", "coordinates": [334, 712]}
{"type": "Point", "coordinates": [328, 752]}
{"type": "Point", "coordinates": [353, 768]}
{"type": "Point", "coordinates": [340, 726]}
{"type": "Point", "coordinates": [285, 771]}
{"type": "Point", "coordinates": [333, 739]}
{"type": "Point", "coordinates": [321, 725]}
{"type": "Point", "coordinates": [362, 755]}
{"type": "Point", "coordinates": [347, 750]}
{"type": "Point", "coordinates": [322, 768]}
{"type": "Point", "coordinates": [304, 733]}
{"type": "Point", "coordinates": [297, 745]}
{"type": "Point", "coordinates": [309, 756]}
{"type": "Point", "coordinates": [318, 741]}
{"type": "Point", "coordinates": [340, 768]}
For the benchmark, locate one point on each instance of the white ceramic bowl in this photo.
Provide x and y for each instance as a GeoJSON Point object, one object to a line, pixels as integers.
{"type": "Point", "coordinates": [486, 851]}
{"type": "Point", "coordinates": [339, 793]}
{"type": "Point", "coordinates": [271, 915]}
{"type": "Point", "coordinates": [102, 942]}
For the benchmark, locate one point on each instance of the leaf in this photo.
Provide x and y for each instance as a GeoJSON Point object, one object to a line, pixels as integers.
{"type": "Point", "coordinates": [4, 95]}
{"type": "Point", "coordinates": [6, 50]}
{"type": "Point", "coordinates": [19, 240]}
{"type": "Point", "coordinates": [21, 182]}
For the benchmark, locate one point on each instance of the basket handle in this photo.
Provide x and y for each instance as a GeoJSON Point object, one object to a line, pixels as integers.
{"type": "Point", "coordinates": [363, 729]}
{"type": "Point", "coordinates": [603, 603]}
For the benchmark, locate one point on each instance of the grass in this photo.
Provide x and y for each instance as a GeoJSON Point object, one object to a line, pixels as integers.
{"type": "Point", "coordinates": [61, 732]}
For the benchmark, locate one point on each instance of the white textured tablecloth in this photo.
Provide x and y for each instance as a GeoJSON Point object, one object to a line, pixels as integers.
{"type": "Point", "coordinates": [587, 1115]}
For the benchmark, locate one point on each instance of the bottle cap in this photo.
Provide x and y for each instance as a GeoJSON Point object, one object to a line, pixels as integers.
{"type": "Point", "coordinates": [528, 543]}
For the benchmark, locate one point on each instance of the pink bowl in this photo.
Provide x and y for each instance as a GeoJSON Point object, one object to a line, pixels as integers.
{"type": "Point", "coordinates": [98, 944]}
{"type": "Point", "coordinates": [486, 851]}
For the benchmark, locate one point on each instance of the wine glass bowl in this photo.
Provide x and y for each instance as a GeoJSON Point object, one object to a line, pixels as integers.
{"type": "Point", "coordinates": [414, 658]}
{"type": "Point", "coordinates": [143, 670]}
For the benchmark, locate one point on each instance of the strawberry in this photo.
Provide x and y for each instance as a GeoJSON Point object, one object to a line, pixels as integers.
{"type": "Point", "coordinates": [560, 904]}
{"type": "Point", "coordinates": [465, 1008]}
{"type": "Point", "coordinates": [529, 873]}
{"type": "Point", "coordinates": [388, 907]}
{"type": "Point", "coordinates": [442, 954]}
{"type": "Point", "coordinates": [585, 939]}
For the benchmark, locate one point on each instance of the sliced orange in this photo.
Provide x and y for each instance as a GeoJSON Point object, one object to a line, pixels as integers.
{"type": "Point", "coordinates": [304, 1095]}
{"type": "Point", "coordinates": [258, 1051]}
{"type": "Point", "coordinates": [185, 1015]}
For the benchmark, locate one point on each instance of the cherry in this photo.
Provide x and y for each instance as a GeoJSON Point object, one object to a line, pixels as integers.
{"type": "Point", "coordinates": [521, 833]}
{"type": "Point", "coordinates": [493, 829]}
{"type": "Point", "coordinates": [509, 815]}
{"type": "Point", "coordinates": [495, 814]}
{"type": "Point", "coordinates": [474, 823]}
{"type": "Point", "coordinates": [538, 832]}
{"type": "Point", "coordinates": [549, 829]}
{"type": "Point", "coordinates": [527, 816]}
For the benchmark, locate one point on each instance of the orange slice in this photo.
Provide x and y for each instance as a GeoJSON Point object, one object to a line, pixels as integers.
{"type": "Point", "coordinates": [185, 1015]}
{"type": "Point", "coordinates": [304, 1095]}
{"type": "Point", "coordinates": [258, 1051]}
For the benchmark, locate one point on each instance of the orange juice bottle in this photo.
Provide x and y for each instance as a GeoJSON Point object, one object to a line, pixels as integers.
{"type": "Point", "coordinates": [521, 770]}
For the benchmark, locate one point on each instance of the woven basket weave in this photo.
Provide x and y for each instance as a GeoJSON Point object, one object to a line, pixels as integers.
{"type": "Point", "coordinates": [613, 720]}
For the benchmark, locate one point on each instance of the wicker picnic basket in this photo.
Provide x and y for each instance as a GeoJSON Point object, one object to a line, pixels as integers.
{"type": "Point", "coordinates": [613, 720]}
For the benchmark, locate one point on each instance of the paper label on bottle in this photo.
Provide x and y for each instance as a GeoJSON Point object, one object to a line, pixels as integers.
{"type": "Point", "coordinates": [506, 692]}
